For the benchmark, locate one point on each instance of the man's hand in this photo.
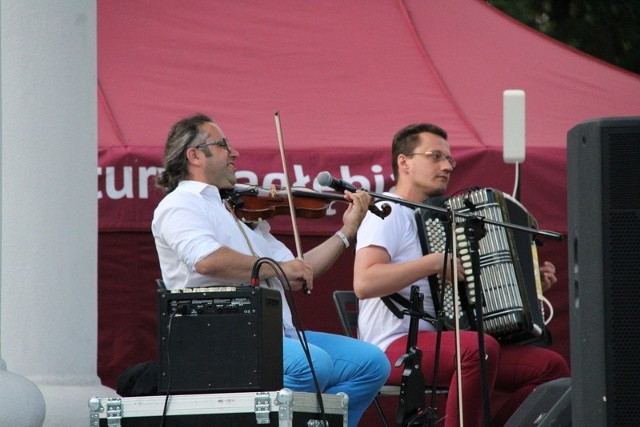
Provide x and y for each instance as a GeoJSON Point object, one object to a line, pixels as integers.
{"type": "Point", "coordinates": [298, 272]}
{"type": "Point", "coordinates": [356, 211]}
{"type": "Point", "coordinates": [459, 267]}
{"type": "Point", "coordinates": [548, 275]}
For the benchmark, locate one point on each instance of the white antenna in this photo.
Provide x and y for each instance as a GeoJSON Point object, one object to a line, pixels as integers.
{"type": "Point", "coordinates": [514, 131]}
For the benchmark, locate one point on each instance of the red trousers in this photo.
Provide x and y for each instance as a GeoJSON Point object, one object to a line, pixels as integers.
{"type": "Point", "coordinates": [513, 371]}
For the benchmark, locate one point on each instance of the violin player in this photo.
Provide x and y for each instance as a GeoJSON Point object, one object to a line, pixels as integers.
{"type": "Point", "coordinates": [200, 242]}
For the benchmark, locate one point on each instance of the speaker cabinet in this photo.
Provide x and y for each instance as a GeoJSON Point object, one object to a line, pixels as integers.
{"type": "Point", "coordinates": [226, 339]}
{"type": "Point", "coordinates": [603, 194]}
{"type": "Point", "coordinates": [548, 405]}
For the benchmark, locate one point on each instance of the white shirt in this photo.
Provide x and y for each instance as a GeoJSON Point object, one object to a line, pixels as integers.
{"type": "Point", "coordinates": [192, 222]}
{"type": "Point", "coordinates": [398, 235]}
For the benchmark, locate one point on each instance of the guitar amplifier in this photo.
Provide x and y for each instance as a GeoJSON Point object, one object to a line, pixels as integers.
{"type": "Point", "coordinates": [219, 339]}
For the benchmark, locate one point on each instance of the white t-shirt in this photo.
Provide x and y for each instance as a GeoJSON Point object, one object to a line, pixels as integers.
{"type": "Point", "coordinates": [398, 234]}
{"type": "Point", "coordinates": [192, 222]}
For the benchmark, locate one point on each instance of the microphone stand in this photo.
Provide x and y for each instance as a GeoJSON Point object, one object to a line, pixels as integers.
{"type": "Point", "coordinates": [410, 408]}
{"type": "Point", "coordinates": [474, 231]}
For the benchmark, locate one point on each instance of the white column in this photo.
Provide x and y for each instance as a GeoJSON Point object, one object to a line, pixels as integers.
{"type": "Point", "coordinates": [48, 206]}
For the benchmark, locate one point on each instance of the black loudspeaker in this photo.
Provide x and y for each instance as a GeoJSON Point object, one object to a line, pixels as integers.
{"type": "Point", "coordinates": [548, 405]}
{"type": "Point", "coordinates": [603, 193]}
{"type": "Point", "coordinates": [224, 339]}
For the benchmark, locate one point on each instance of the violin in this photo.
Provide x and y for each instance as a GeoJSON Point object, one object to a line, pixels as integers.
{"type": "Point", "coordinates": [253, 204]}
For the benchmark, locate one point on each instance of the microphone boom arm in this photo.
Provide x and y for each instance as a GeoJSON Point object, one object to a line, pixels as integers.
{"type": "Point", "coordinates": [325, 179]}
{"type": "Point", "coordinates": [546, 233]}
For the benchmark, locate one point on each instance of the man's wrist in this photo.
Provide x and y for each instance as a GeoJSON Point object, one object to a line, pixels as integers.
{"type": "Point", "coordinates": [344, 238]}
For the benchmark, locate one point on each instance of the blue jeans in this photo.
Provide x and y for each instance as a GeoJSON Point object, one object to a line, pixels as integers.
{"type": "Point", "coordinates": [341, 364]}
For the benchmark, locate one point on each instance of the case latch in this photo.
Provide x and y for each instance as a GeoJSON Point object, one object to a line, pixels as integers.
{"type": "Point", "coordinates": [113, 409]}
{"type": "Point", "coordinates": [262, 408]}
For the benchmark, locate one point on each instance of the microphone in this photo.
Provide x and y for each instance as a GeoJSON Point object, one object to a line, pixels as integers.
{"type": "Point", "coordinates": [325, 179]}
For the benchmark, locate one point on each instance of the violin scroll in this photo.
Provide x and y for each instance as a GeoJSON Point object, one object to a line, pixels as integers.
{"type": "Point", "coordinates": [383, 211]}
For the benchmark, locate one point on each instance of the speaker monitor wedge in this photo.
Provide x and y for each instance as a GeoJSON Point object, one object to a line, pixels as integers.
{"type": "Point", "coordinates": [548, 405]}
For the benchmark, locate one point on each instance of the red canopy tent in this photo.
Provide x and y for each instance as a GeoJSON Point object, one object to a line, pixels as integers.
{"type": "Point", "coordinates": [344, 77]}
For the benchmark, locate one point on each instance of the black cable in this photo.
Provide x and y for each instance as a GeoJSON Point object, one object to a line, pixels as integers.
{"type": "Point", "coordinates": [255, 280]}
{"type": "Point", "coordinates": [166, 399]}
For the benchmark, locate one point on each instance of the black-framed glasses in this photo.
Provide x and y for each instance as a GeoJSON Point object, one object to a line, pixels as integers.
{"type": "Point", "coordinates": [436, 157]}
{"type": "Point", "coordinates": [220, 142]}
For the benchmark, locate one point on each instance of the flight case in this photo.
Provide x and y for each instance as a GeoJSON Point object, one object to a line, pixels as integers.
{"type": "Point", "coordinates": [283, 408]}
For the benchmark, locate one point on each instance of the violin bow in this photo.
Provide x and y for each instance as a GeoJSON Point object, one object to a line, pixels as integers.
{"type": "Point", "coordinates": [456, 311]}
{"type": "Point", "coordinates": [292, 208]}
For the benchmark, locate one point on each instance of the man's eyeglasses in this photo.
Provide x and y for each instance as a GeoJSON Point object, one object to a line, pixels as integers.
{"type": "Point", "coordinates": [436, 157]}
{"type": "Point", "coordinates": [221, 142]}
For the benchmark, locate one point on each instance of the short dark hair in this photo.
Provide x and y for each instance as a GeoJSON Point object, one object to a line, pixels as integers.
{"type": "Point", "coordinates": [184, 134]}
{"type": "Point", "coordinates": [406, 139]}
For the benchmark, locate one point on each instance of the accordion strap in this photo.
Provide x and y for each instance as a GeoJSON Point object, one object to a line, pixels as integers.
{"type": "Point", "coordinates": [389, 299]}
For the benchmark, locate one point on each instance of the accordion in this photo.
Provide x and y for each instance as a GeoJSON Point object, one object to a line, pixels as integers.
{"type": "Point", "coordinates": [511, 297]}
